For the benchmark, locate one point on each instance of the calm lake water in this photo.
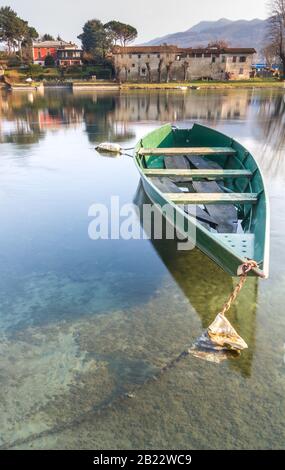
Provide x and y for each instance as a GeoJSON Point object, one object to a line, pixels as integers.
{"type": "Point", "coordinates": [84, 322]}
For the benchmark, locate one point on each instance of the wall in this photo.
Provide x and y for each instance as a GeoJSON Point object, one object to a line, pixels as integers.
{"type": "Point", "coordinates": [44, 52]}
{"type": "Point", "coordinates": [144, 67]}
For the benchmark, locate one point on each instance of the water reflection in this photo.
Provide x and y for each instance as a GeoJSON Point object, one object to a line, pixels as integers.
{"type": "Point", "coordinates": [206, 286]}
{"type": "Point", "coordinates": [271, 124]}
{"type": "Point", "coordinates": [26, 117]}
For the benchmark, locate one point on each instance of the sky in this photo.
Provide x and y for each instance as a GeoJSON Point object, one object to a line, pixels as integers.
{"type": "Point", "coordinates": [152, 18]}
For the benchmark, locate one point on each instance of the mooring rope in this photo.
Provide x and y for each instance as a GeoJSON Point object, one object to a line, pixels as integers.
{"type": "Point", "coordinates": [243, 272]}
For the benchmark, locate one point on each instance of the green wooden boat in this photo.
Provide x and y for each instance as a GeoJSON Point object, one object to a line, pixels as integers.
{"type": "Point", "coordinates": [215, 184]}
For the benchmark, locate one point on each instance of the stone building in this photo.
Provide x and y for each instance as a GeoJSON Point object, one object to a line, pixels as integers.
{"type": "Point", "coordinates": [171, 63]}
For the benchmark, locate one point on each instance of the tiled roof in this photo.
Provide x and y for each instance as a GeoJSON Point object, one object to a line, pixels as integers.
{"type": "Point", "coordinates": [175, 49]}
{"type": "Point", "coordinates": [224, 50]}
{"type": "Point", "coordinates": [144, 49]}
{"type": "Point", "coordinates": [53, 44]}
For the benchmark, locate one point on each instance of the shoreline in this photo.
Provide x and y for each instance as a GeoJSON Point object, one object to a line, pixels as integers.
{"type": "Point", "coordinates": [189, 86]}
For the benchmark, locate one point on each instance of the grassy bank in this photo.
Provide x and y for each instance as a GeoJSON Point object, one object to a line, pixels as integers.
{"type": "Point", "coordinates": [252, 83]}
{"type": "Point", "coordinates": [38, 73]}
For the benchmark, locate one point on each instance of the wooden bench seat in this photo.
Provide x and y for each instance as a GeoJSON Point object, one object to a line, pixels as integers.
{"type": "Point", "coordinates": [183, 151]}
{"type": "Point", "coordinates": [213, 174]}
{"type": "Point", "coordinates": [213, 198]}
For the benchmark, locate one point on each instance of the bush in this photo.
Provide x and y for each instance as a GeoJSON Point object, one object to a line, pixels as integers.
{"type": "Point", "coordinates": [35, 68]}
{"type": "Point", "coordinates": [74, 69]}
{"type": "Point", "coordinates": [14, 61]}
{"type": "Point", "coordinates": [12, 75]}
{"type": "Point", "coordinates": [51, 72]}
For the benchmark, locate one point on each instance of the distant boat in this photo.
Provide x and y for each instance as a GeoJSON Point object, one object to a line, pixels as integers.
{"type": "Point", "coordinates": [217, 187]}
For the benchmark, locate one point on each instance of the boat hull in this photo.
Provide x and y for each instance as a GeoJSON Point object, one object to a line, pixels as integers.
{"type": "Point", "coordinates": [212, 244]}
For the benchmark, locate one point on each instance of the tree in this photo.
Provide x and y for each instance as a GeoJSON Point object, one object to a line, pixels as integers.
{"type": "Point", "coordinates": [47, 37]}
{"type": "Point", "coordinates": [269, 53]}
{"type": "Point", "coordinates": [220, 44]}
{"type": "Point", "coordinates": [185, 66]}
{"type": "Point", "coordinates": [148, 67]}
{"type": "Point", "coordinates": [32, 33]}
{"type": "Point", "coordinates": [276, 25]}
{"type": "Point", "coordinates": [95, 39]}
{"type": "Point", "coordinates": [121, 32]}
{"type": "Point", "coordinates": [26, 47]}
{"type": "Point", "coordinates": [49, 61]}
{"type": "Point", "coordinates": [159, 69]}
{"type": "Point", "coordinates": [8, 27]}
{"type": "Point", "coordinates": [14, 30]}
{"type": "Point", "coordinates": [168, 71]}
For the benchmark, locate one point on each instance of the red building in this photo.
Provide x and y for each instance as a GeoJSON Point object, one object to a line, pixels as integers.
{"type": "Point", "coordinates": [64, 53]}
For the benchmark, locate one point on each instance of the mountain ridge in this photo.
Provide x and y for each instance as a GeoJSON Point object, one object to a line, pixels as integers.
{"type": "Point", "coordinates": [238, 33]}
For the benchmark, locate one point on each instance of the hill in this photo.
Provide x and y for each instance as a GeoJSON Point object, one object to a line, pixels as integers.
{"type": "Point", "coordinates": [240, 33]}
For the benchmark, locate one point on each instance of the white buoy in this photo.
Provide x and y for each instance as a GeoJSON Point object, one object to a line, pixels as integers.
{"type": "Point", "coordinates": [109, 147]}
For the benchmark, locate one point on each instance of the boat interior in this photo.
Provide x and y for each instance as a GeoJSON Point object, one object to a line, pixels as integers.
{"type": "Point", "coordinates": [214, 179]}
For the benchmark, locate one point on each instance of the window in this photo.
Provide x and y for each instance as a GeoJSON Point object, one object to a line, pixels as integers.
{"type": "Point", "coordinates": [242, 59]}
{"type": "Point", "coordinates": [241, 71]}
{"type": "Point", "coordinates": [207, 54]}
{"type": "Point", "coordinates": [213, 59]}
{"type": "Point", "coordinates": [133, 65]}
{"type": "Point", "coordinates": [139, 56]}
{"type": "Point", "coordinates": [143, 71]}
{"type": "Point", "coordinates": [234, 59]}
{"type": "Point", "coordinates": [224, 59]}
{"type": "Point", "coordinates": [199, 55]}
{"type": "Point", "coordinates": [178, 57]}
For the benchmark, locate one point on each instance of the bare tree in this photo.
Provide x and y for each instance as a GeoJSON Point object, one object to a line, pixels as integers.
{"type": "Point", "coordinates": [148, 71]}
{"type": "Point", "coordinates": [270, 55]}
{"type": "Point", "coordinates": [168, 71]}
{"type": "Point", "coordinates": [185, 69]}
{"type": "Point", "coordinates": [219, 43]}
{"type": "Point", "coordinates": [276, 24]}
{"type": "Point", "coordinates": [126, 72]}
{"type": "Point", "coordinates": [118, 74]}
{"type": "Point", "coordinates": [159, 69]}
